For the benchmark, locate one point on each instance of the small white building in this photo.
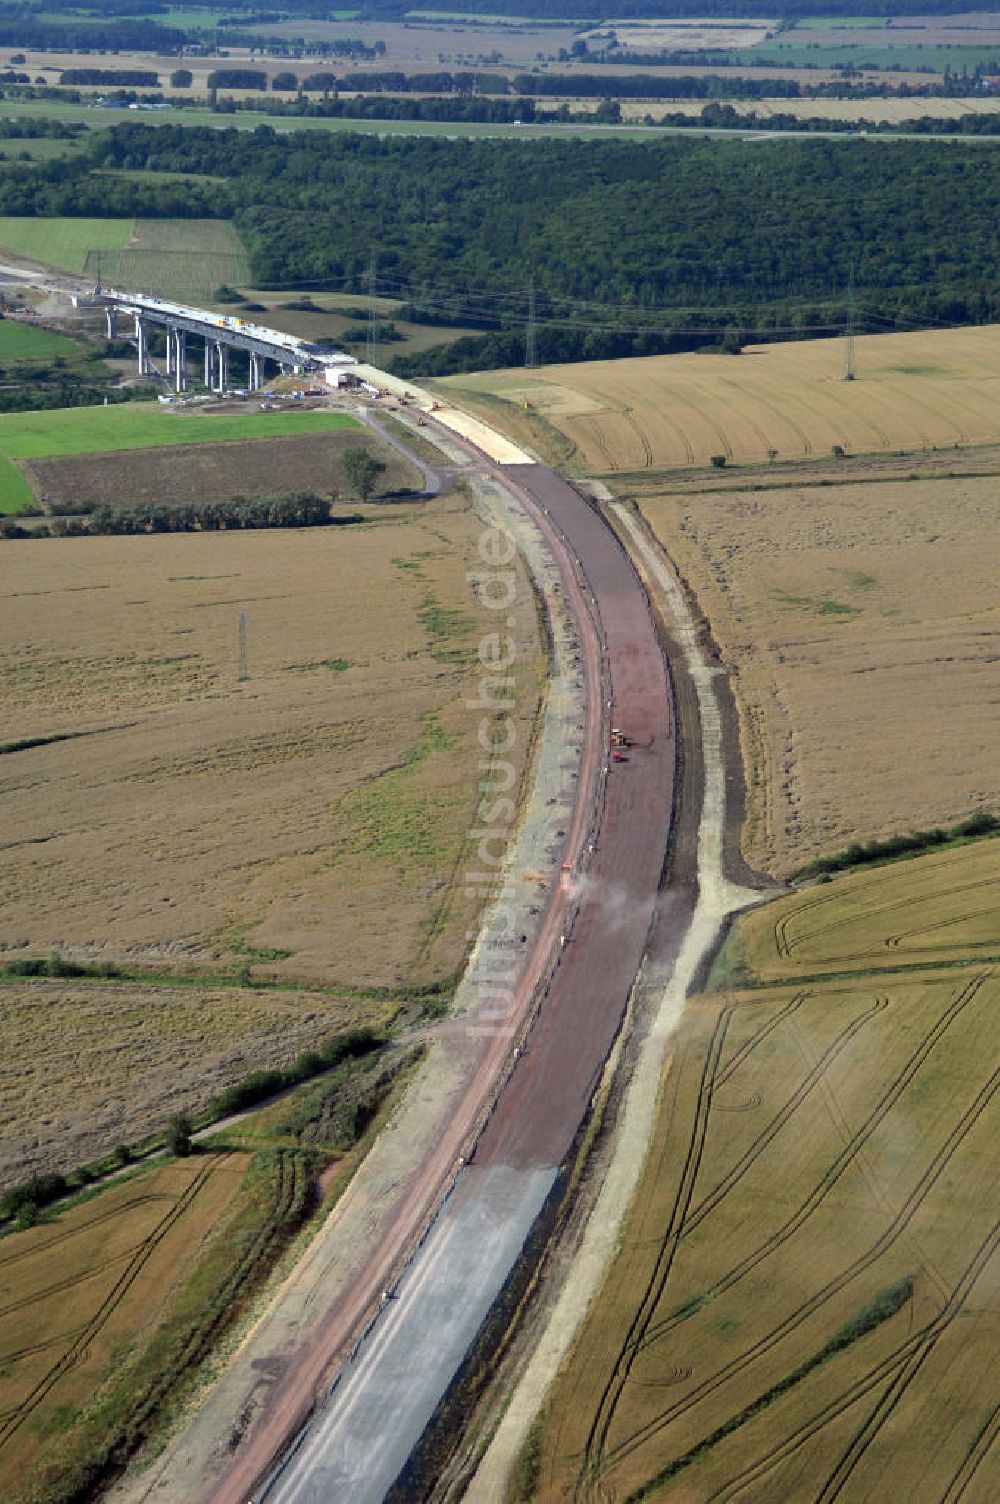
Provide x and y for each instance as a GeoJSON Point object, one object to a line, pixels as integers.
{"type": "Point", "coordinates": [341, 377]}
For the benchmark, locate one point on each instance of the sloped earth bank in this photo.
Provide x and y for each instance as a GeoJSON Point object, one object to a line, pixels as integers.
{"type": "Point", "coordinates": [692, 912]}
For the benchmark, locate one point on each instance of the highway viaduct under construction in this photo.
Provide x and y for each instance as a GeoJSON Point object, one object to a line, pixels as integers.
{"type": "Point", "coordinates": [220, 335]}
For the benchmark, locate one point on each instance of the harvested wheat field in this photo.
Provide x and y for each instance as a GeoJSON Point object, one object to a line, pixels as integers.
{"type": "Point", "coordinates": [308, 819]}
{"type": "Point", "coordinates": [87, 1064]}
{"type": "Point", "coordinates": [782, 401]}
{"type": "Point", "coordinates": [889, 111]}
{"type": "Point", "coordinates": [806, 1302]}
{"type": "Point", "coordinates": [860, 626]}
{"type": "Point", "coordinates": [80, 1292]}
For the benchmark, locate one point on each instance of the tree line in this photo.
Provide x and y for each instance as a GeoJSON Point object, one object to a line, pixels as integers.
{"type": "Point", "coordinates": [301, 509]}
{"type": "Point", "coordinates": [631, 242]}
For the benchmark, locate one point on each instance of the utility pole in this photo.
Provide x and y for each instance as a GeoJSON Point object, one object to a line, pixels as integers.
{"type": "Point", "coordinates": [244, 669]}
{"type": "Point", "coordinates": [849, 351]}
{"type": "Point", "coordinates": [530, 357]}
{"type": "Point", "coordinates": [372, 312]}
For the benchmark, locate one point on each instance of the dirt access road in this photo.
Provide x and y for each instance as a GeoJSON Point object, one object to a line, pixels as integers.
{"type": "Point", "coordinates": [578, 978]}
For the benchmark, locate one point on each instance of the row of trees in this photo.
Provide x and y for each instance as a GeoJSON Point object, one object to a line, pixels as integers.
{"type": "Point", "coordinates": [301, 509]}
{"type": "Point", "coordinates": [134, 78]}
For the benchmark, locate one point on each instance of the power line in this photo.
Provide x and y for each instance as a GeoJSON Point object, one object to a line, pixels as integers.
{"type": "Point", "coordinates": [849, 352]}
{"type": "Point", "coordinates": [530, 357]}
{"type": "Point", "coordinates": [372, 342]}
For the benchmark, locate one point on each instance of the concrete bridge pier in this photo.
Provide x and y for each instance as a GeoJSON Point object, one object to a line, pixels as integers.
{"type": "Point", "coordinates": [255, 380]}
{"type": "Point", "coordinates": [222, 359]}
{"type": "Point", "coordinates": [180, 358]}
{"type": "Point", "coordinates": [141, 340]}
{"type": "Point", "coordinates": [170, 350]}
{"type": "Point", "coordinates": [112, 316]}
{"type": "Point", "coordinates": [208, 365]}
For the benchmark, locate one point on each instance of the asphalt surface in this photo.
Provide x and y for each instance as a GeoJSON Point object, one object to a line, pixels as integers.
{"type": "Point", "coordinates": [387, 1393]}
{"type": "Point", "coordinates": [359, 1439]}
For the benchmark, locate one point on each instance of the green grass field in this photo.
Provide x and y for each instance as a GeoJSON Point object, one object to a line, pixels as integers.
{"type": "Point", "coordinates": [185, 259]}
{"type": "Point", "coordinates": [877, 53]}
{"type": "Point", "coordinates": [141, 425]}
{"type": "Point", "coordinates": [59, 242]}
{"type": "Point", "coordinates": [38, 148]}
{"type": "Point", "coordinates": [25, 342]}
{"type": "Point", "coordinates": [15, 493]}
{"type": "Point", "coordinates": [839, 23]}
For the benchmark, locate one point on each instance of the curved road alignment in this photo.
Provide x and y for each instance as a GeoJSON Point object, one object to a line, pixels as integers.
{"type": "Point", "coordinates": [269, 1388]}
{"type": "Point", "coordinates": [357, 1443]}
{"type": "Point", "coordinates": [717, 897]}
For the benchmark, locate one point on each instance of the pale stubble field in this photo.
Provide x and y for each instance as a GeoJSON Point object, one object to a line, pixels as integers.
{"type": "Point", "coordinates": [860, 625]}
{"type": "Point", "coordinates": [304, 826]}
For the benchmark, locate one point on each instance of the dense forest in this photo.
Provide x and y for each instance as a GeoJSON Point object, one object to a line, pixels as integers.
{"type": "Point", "coordinates": [631, 245]}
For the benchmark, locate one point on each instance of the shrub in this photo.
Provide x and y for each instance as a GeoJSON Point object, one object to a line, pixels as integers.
{"type": "Point", "coordinates": [179, 1135]}
{"type": "Point", "coordinates": [39, 1191]}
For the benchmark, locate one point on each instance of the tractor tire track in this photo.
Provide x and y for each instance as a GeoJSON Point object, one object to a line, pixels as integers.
{"type": "Point", "coordinates": [640, 434]}
{"type": "Point", "coordinates": [114, 1297]}
{"type": "Point", "coordinates": [979, 1451]}
{"type": "Point", "coordinates": [866, 1433]}
{"type": "Point", "coordinates": [847, 1155]}
{"type": "Point", "coordinates": [612, 1391]}
{"type": "Point", "coordinates": [75, 1232]}
{"type": "Point", "coordinates": [781, 1118]}
{"type": "Point", "coordinates": [888, 1368]}
{"type": "Point", "coordinates": [932, 1173]}
{"type": "Point", "coordinates": [784, 946]}
{"type": "Point", "coordinates": [758, 1037]}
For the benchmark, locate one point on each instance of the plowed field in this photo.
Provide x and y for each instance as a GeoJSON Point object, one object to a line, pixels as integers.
{"type": "Point", "coordinates": [805, 1306]}
{"type": "Point", "coordinates": [201, 472]}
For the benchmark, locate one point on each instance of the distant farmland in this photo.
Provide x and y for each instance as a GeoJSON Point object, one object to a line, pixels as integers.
{"type": "Point", "coordinates": [805, 1304]}
{"type": "Point", "coordinates": [193, 473]}
{"type": "Point", "coordinates": [784, 401]}
{"type": "Point", "coordinates": [180, 257]}
{"type": "Point", "coordinates": [143, 425]}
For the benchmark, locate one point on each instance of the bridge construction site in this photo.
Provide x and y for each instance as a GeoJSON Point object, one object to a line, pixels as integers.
{"type": "Point", "coordinates": [220, 334]}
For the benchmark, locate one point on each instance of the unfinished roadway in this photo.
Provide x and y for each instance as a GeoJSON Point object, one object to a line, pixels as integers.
{"type": "Point", "coordinates": [332, 1380]}
{"type": "Point", "coordinates": [583, 967]}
